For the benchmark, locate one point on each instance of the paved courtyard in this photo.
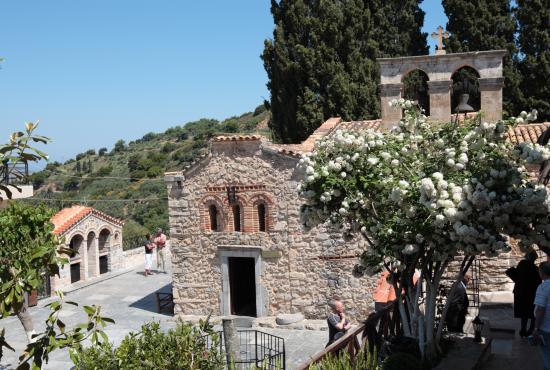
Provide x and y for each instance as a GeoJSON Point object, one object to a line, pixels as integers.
{"type": "Point", "coordinates": [129, 299]}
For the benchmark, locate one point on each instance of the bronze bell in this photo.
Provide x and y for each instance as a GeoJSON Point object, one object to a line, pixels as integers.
{"type": "Point", "coordinates": [463, 106]}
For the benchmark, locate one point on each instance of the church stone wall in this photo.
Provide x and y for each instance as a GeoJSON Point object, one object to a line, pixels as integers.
{"type": "Point", "coordinates": [299, 271]}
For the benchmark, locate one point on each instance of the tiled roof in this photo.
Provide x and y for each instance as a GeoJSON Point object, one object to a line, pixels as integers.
{"type": "Point", "coordinates": [527, 133]}
{"type": "Point", "coordinates": [68, 217]}
{"type": "Point", "coordinates": [358, 125]}
{"type": "Point", "coordinates": [326, 129]}
{"type": "Point", "coordinates": [237, 138]}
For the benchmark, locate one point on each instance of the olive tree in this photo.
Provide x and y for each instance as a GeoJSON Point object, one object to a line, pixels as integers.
{"type": "Point", "coordinates": [29, 249]}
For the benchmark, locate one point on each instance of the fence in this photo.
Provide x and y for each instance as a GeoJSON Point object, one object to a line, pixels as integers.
{"type": "Point", "coordinates": [14, 173]}
{"type": "Point", "coordinates": [371, 333]}
{"type": "Point", "coordinates": [257, 350]}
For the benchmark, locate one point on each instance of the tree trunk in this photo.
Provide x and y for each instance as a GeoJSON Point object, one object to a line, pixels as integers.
{"type": "Point", "coordinates": [25, 318]}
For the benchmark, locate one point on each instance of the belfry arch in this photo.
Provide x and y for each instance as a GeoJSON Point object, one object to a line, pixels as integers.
{"type": "Point", "coordinates": [439, 69]}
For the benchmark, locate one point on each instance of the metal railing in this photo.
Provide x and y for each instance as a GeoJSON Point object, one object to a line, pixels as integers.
{"type": "Point", "coordinates": [371, 334]}
{"type": "Point", "coordinates": [258, 350]}
{"type": "Point", "coordinates": [14, 173]}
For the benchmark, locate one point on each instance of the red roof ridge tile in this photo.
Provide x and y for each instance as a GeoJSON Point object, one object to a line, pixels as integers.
{"type": "Point", "coordinates": [68, 217]}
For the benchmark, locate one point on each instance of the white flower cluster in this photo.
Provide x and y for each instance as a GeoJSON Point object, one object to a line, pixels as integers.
{"type": "Point", "coordinates": [426, 189]}
{"type": "Point", "coordinates": [532, 153]}
{"type": "Point", "coordinates": [526, 117]}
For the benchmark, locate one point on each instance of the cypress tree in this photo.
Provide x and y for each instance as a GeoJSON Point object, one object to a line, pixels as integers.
{"type": "Point", "coordinates": [321, 61]}
{"type": "Point", "coordinates": [486, 25]}
{"type": "Point", "coordinates": [533, 18]}
{"type": "Point", "coordinates": [397, 28]}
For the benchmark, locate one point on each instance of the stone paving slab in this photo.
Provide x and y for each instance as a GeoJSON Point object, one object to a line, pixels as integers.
{"type": "Point", "coordinates": [129, 299]}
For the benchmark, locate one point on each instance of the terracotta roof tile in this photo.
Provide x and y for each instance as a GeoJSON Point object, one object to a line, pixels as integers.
{"type": "Point", "coordinates": [68, 217]}
{"type": "Point", "coordinates": [358, 126]}
{"type": "Point", "coordinates": [526, 133]}
{"type": "Point", "coordinates": [237, 138]}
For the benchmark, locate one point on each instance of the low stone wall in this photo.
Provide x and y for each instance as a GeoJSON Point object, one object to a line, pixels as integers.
{"type": "Point", "coordinates": [133, 258]}
{"type": "Point", "coordinates": [136, 257]}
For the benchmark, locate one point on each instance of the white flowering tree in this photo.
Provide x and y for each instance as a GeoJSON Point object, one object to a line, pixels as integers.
{"type": "Point", "coordinates": [422, 196]}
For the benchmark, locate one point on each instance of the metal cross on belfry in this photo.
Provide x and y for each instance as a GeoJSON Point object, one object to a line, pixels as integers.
{"type": "Point", "coordinates": [440, 35]}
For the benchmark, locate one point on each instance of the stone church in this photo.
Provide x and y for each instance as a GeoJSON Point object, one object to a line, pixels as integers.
{"type": "Point", "coordinates": [237, 243]}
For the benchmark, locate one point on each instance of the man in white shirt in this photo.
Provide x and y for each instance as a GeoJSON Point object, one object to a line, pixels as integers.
{"type": "Point", "coordinates": [542, 313]}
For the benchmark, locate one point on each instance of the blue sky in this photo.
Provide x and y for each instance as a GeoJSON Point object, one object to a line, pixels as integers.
{"type": "Point", "coordinates": [97, 71]}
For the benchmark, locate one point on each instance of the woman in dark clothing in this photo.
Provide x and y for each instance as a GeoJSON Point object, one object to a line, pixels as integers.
{"type": "Point", "coordinates": [526, 278]}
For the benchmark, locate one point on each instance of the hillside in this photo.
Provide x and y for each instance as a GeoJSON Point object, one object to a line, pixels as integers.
{"type": "Point", "coordinates": [126, 181]}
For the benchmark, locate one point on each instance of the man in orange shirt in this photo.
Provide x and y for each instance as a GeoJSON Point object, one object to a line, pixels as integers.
{"type": "Point", "coordinates": [384, 293]}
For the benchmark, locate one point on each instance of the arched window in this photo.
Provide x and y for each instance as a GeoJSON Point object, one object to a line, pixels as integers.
{"type": "Point", "coordinates": [237, 217]}
{"type": "Point", "coordinates": [261, 217]}
{"type": "Point", "coordinates": [213, 212]}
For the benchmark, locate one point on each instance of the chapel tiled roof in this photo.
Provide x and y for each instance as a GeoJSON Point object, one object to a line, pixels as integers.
{"type": "Point", "coordinates": [68, 217]}
{"type": "Point", "coordinates": [358, 126]}
{"type": "Point", "coordinates": [526, 133]}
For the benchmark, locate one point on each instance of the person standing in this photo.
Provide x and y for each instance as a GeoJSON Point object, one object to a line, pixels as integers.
{"type": "Point", "coordinates": [541, 333]}
{"type": "Point", "coordinates": [526, 278]}
{"type": "Point", "coordinates": [338, 325]}
{"type": "Point", "coordinates": [149, 246]}
{"type": "Point", "coordinates": [384, 293]}
{"type": "Point", "coordinates": [160, 243]}
{"type": "Point", "coordinates": [458, 307]}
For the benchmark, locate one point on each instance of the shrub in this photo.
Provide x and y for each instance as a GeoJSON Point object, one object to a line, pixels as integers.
{"type": "Point", "coordinates": [184, 347]}
{"type": "Point", "coordinates": [90, 152]}
{"type": "Point", "coordinates": [105, 171]}
{"type": "Point", "coordinates": [80, 156]}
{"type": "Point", "coordinates": [149, 136]}
{"type": "Point", "coordinates": [154, 171]}
{"type": "Point", "coordinates": [102, 152]}
{"type": "Point", "coordinates": [70, 184]}
{"type": "Point", "coordinates": [38, 179]}
{"type": "Point", "coordinates": [120, 146]}
{"type": "Point", "coordinates": [168, 147]}
{"type": "Point", "coordinates": [260, 109]}
{"type": "Point", "coordinates": [52, 166]}
{"type": "Point", "coordinates": [342, 361]}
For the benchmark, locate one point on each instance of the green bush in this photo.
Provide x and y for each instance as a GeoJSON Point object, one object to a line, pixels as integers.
{"type": "Point", "coordinates": [169, 147]}
{"type": "Point", "coordinates": [363, 361]}
{"type": "Point", "coordinates": [184, 347]}
{"type": "Point", "coordinates": [400, 361]}
{"type": "Point", "coordinates": [104, 171]}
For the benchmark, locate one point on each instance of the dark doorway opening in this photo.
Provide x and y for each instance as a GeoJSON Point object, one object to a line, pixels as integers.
{"type": "Point", "coordinates": [242, 285]}
{"type": "Point", "coordinates": [103, 264]}
{"type": "Point", "coordinates": [75, 272]}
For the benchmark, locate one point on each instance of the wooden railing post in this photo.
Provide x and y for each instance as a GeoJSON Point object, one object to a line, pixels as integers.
{"type": "Point", "coordinates": [374, 330]}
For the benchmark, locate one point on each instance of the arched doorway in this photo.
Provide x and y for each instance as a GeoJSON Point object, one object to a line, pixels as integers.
{"type": "Point", "coordinates": [77, 264]}
{"type": "Point", "coordinates": [93, 258]}
{"type": "Point", "coordinates": [415, 87]}
{"type": "Point", "coordinates": [104, 244]}
{"type": "Point", "coordinates": [465, 81]}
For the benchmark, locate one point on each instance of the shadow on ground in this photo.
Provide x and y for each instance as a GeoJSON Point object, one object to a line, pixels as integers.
{"type": "Point", "coordinates": [149, 302]}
